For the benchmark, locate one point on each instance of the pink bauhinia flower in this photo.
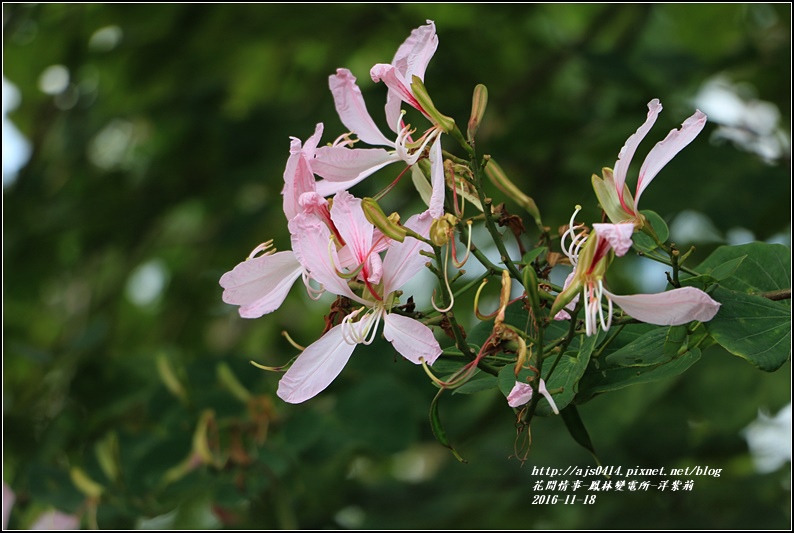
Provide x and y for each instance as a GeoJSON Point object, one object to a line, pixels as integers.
{"type": "Point", "coordinates": [321, 362]}
{"type": "Point", "coordinates": [522, 394]}
{"type": "Point", "coordinates": [342, 166]}
{"type": "Point", "coordinates": [591, 255]}
{"type": "Point", "coordinates": [612, 191]}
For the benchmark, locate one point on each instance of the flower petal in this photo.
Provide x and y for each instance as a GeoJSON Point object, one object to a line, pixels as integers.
{"type": "Point", "coordinates": [352, 110]}
{"type": "Point", "coordinates": [399, 91]}
{"type": "Point", "coordinates": [627, 152]}
{"type": "Point", "coordinates": [316, 367]}
{"type": "Point", "coordinates": [671, 308]}
{"type": "Point", "coordinates": [350, 165]}
{"type": "Point", "coordinates": [298, 176]}
{"type": "Point", "coordinates": [411, 338]}
{"type": "Point", "coordinates": [260, 285]}
{"type": "Point", "coordinates": [520, 394]}
{"type": "Point", "coordinates": [618, 235]}
{"type": "Point", "coordinates": [546, 394]}
{"type": "Point", "coordinates": [311, 242]}
{"type": "Point", "coordinates": [56, 521]}
{"type": "Point", "coordinates": [403, 260]}
{"type": "Point", "coordinates": [413, 56]}
{"type": "Point", "coordinates": [358, 232]}
{"type": "Point", "coordinates": [664, 151]}
{"type": "Point", "coordinates": [8, 503]}
{"type": "Point", "coordinates": [437, 180]}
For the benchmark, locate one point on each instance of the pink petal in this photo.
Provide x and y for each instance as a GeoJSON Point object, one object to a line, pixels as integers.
{"type": "Point", "coordinates": [437, 180]}
{"type": "Point", "coordinates": [260, 285]}
{"type": "Point", "coordinates": [663, 152]}
{"type": "Point", "coordinates": [8, 503]}
{"type": "Point", "coordinates": [618, 235]}
{"type": "Point", "coordinates": [316, 367]}
{"type": "Point", "coordinates": [411, 338]}
{"type": "Point", "coordinates": [627, 152]}
{"type": "Point", "coordinates": [56, 520]}
{"type": "Point", "coordinates": [352, 110]}
{"type": "Point", "coordinates": [357, 231]}
{"type": "Point", "coordinates": [520, 394]}
{"type": "Point", "coordinates": [399, 91]}
{"type": "Point", "coordinates": [403, 260]}
{"type": "Point", "coordinates": [671, 308]}
{"type": "Point", "coordinates": [298, 176]}
{"type": "Point", "coordinates": [311, 242]}
{"type": "Point", "coordinates": [350, 165]}
{"type": "Point", "coordinates": [413, 56]}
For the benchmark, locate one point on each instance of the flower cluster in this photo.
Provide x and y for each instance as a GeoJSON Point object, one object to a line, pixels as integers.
{"type": "Point", "coordinates": [348, 247]}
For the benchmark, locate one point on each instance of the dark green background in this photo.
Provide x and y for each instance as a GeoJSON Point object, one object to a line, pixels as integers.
{"type": "Point", "coordinates": [208, 96]}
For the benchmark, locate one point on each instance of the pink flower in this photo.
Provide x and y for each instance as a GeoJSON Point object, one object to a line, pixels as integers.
{"type": "Point", "coordinates": [322, 361]}
{"type": "Point", "coordinates": [522, 393]}
{"type": "Point", "coordinates": [591, 255]}
{"type": "Point", "coordinates": [612, 192]}
{"type": "Point", "coordinates": [342, 166]}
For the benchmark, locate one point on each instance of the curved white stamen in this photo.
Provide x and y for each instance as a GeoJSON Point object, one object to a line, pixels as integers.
{"type": "Point", "coordinates": [604, 326]}
{"type": "Point", "coordinates": [314, 294]}
{"type": "Point", "coordinates": [577, 239]}
{"type": "Point", "coordinates": [266, 247]}
{"type": "Point", "coordinates": [446, 286]}
{"type": "Point", "coordinates": [349, 334]}
{"type": "Point", "coordinates": [344, 140]}
{"type": "Point", "coordinates": [372, 325]}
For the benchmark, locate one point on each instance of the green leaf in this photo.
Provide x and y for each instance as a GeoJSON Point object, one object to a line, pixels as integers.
{"type": "Point", "coordinates": [533, 254]}
{"type": "Point", "coordinates": [646, 350]}
{"type": "Point", "coordinates": [752, 327]}
{"type": "Point", "coordinates": [438, 428]}
{"type": "Point", "coordinates": [646, 243]}
{"type": "Point", "coordinates": [567, 374]}
{"type": "Point", "coordinates": [618, 377]}
{"type": "Point", "coordinates": [479, 382]}
{"type": "Point", "coordinates": [761, 267]}
{"type": "Point", "coordinates": [570, 415]}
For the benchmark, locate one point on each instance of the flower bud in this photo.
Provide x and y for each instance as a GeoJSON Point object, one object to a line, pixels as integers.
{"type": "Point", "coordinates": [503, 183]}
{"type": "Point", "coordinates": [420, 93]}
{"type": "Point", "coordinates": [479, 102]}
{"type": "Point", "coordinates": [389, 225]}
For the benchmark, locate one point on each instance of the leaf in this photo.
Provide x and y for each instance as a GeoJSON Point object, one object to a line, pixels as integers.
{"type": "Point", "coordinates": [533, 254]}
{"type": "Point", "coordinates": [618, 377]}
{"type": "Point", "coordinates": [643, 241]}
{"type": "Point", "coordinates": [646, 350]}
{"type": "Point", "coordinates": [764, 267]}
{"type": "Point", "coordinates": [752, 327]}
{"type": "Point", "coordinates": [438, 428]}
{"type": "Point", "coordinates": [570, 415]}
{"type": "Point", "coordinates": [567, 374]}
{"type": "Point", "coordinates": [713, 275]}
{"type": "Point", "coordinates": [480, 382]}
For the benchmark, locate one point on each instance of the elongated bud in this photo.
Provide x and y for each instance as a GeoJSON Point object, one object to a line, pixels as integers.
{"type": "Point", "coordinates": [169, 379]}
{"type": "Point", "coordinates": [503, 183]}
{"type": "Point", "coordinates": [441, 229]}
{"type": "Point", "coordinates": [107, 453]}
{"type": "Point", "coordinates": [231, 383]}
{"type": "Point", "coordinates": [420, 93]}
{"type": "Point", "coordinates": [531, 286]}
{"type": "Point", "coordinates": [85, 484]}
{"type": "Point", "coordinates": [389, 225]}
{"type": "Point", "coordinates": [479, 101]}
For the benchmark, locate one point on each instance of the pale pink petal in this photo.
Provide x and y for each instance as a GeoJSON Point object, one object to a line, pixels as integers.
{"type": "Point", "coordinates": [399, 91]}
{"type": "Point", "coordinates": [352, 110]}
{"type": "Point", "coordinates": [8, 503]}
{"type": "Point", "coordinates": [413, 56]}
{"type": "Point", "coordinates": [311, 242]}
{"type": "Point", "coordinates": [671, 308]}
{"type": "Point", "coordinates": [546, 394]}
{"type": "Point", "coordinates": [618, 235]}
{"type": "Point", "coordinates": [520, 394]}
{"type": "Point", "coordinates": [627, 152]}
{"type": "Point", "coordinates": [298, 176]}
{"type": "Point", "coordinates": [412, 339]}
{"type": "Point", "coordinates": [563, 314]}
{"type": "Point", "coordinates": [663, 152]}
{"type": "Point", "coordinates": [260, 285]}
{"type": "Point", "coordinates": [357, 231]}
{"type": "Point", "coordinates": [56, 520]}
{"type": "Point", "coordinates": [437, 180]}
{"type": "Point", "coordinates": [350, 165]}
{"type": "Point", "coordinates": [316, 367]}
{"type": "Point", "coordinates": [403, 260]}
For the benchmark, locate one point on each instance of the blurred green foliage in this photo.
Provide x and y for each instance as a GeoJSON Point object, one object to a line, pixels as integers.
{"type": "Point", "coordinates": [161, 162]}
